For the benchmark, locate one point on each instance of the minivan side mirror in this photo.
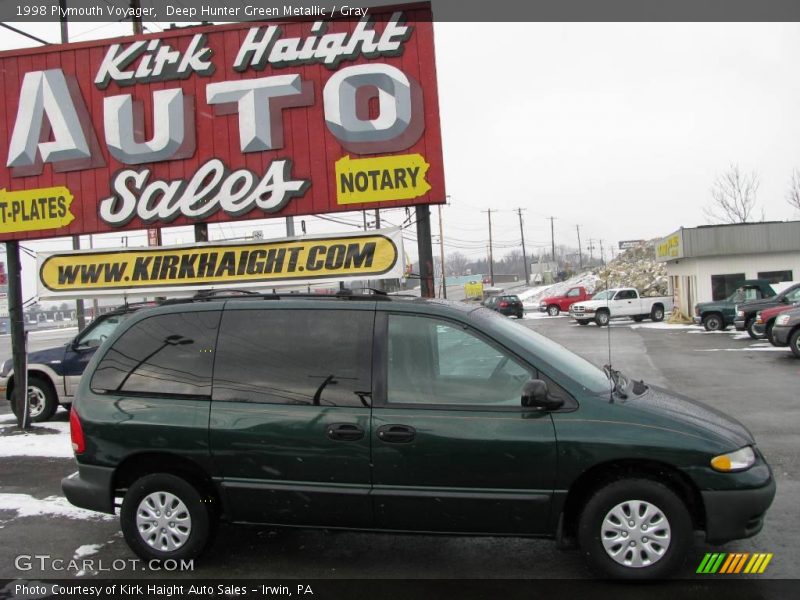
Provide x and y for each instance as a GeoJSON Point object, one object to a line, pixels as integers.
{"type": "Point", "coordinates": [536, 396]}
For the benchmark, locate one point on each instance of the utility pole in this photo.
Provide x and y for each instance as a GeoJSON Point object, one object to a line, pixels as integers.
{"type": "Point", "coordinates": [441, 253]}
{"type": "Point", "coordinates": [591, 250]}
{"type": "Point", "coordinates": [137, 20]}
{"type": "Point", "coordinates": [80, 311]}
{"type": "Point", "coordinates": [524, 255]}
{"type": "Point", "coordinates": [552, 240]}
{"type": "Point", "coordinates": [425, 250]}
{"type": "Point", "coordinates": [491, 250]}
{"type": "Point", "coordinates": [580, 253]}
{"type": "Point", "coordinates": [602, 256]}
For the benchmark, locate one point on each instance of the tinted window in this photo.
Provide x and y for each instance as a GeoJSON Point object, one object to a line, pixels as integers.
{"type": "Point", "coordinates": [435, 362]}
{"type": "Point", "coordinates": [573, 292]}
{"type": "Point", "coordinates": [162, 355]}
{"type": "Point", "coordinates": [793, 296]}
{"type": "Point", "coordinates": [308, 357]}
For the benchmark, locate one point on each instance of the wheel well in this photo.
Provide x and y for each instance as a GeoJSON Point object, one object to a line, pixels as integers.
{"type": "Point", "coordinates": [603, 310]}
{"type": "Point", "coordinates": [603, 474]}
{"type": "Point", "coordinates": [146, 463]}
{"type": "Point", "coordinates": [716, 313]}
{"type": "Point", "coordinates": [32, 373]}
{"type": "Point", "coordinates": [658, 305]}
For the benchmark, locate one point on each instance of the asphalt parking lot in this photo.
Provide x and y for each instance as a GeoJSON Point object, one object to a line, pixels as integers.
{"type": "Point", "coordinates": [751, 381]}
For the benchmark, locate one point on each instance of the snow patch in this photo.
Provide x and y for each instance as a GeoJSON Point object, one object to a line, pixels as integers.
{"type": "Point", "coordinates": [86, 550]}
{"type": "Point", "coordinates": [51, 444]}
{"type": "Point", "coordinates": [748, 349]}
{"type": "Point", "coordinates": [26, 505]}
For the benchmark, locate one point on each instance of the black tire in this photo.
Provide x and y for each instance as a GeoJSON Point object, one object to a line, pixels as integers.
{"type": "Point", "coordinates": [161, 488]}
{"type": "Point", "coordinates": [673, 529]}
{"type": "Point", "coordinates": [582, 321]}
{"type": "Point", "coordinates": [638, 318]}
{"type": "Point", "coordinates": [602, 318]}
{"type": "Point", "coordinates": [553, 310]}
{"type": "Point", "coordinates": [713, 322]}
{"type": "Point", "coordinates": [794, 343]}
{"type": "Point", "coordinates": [751, 332]}
{"type": "Point", "coordinates": [768, 332]}
{"type": "Point", "coordinates": [657, 313]}
{"type": "Point", "coordinates": [43, 400]}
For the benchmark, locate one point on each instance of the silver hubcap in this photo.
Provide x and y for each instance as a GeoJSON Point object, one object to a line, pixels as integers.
{"type": "Point", "coordinates": [163, 521]}
{"type": "Point", "coordinates": [36, 401]}
{"type": "Point", "coordinates": [553, 311]}
{"type": "Point", "coordinates": [635, 533]}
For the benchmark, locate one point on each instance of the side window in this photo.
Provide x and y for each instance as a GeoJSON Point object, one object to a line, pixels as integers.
{"type": "Point", "coordinates": [436, 362]}
{"type": "Point", "coordinates": [311, 357]}
{"type": "Point", "coordinates": [793, 296]}
{"type": "Point", "coordinates": [574, 292]}
{"type": "Point", "coordinates": [162, 355]}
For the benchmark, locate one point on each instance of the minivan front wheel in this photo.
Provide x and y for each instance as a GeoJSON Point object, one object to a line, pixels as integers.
{"type": "Point", "coordinates": [635, 529]}
{"type": "Point", "coordinates": [165, 517]}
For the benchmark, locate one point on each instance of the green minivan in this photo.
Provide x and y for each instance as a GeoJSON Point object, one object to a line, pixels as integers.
{"type": "Point", "coordinates": [374, 412]}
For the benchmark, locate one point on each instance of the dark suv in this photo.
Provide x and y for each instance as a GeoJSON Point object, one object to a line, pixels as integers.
{"type": "Point", "coordinates": [54, 373]}
{"type": "Point", "coordinates": [397, 414]}
{"type": "Point", "coordinates": [507, 304]}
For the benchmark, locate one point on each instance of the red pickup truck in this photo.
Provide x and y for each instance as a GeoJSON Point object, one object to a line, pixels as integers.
{"type": "Point", "coordinates": [553, 305]}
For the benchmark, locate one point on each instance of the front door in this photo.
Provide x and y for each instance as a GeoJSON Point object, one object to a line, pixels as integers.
{"type": "Point", "coordinates": [81, 350]}
{"type": "Point", "coordinates": [290, 414]}
{"type": "Point", "coordinates": [453, 449]}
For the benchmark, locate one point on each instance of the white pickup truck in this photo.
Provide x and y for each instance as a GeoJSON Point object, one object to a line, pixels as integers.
{"type": "Point", "coordinates": [617, 303]}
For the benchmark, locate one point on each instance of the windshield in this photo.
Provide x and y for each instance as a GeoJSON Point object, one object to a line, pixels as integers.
{"type": "Point", "coordinates": [606, 295]}
{"type": "Point", "coordinates": [561, 359]}
{"type": "Point", "coordinates": [100, 330]}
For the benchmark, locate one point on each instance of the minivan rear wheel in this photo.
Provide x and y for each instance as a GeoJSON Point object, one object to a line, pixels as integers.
{"type": "Point", "coordinates": [635, 529]}
{"type": "Point", "coordinates": [165, 517]}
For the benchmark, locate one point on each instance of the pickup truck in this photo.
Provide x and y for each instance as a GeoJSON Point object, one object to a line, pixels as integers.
{"type": "Point", "coordinates": [745, 319]}
{"type": "Point", "coordinates": [765, 319]}
{"type": "Point", "coordinates": [617, 303]}
{"type": "Point", "coordinates": [553, 305]}
{"type": "Point", "coordinates": [719, 314]}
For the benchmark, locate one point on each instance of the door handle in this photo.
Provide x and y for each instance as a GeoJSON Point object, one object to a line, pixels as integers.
{"type": "Point", "coordinates": [344, 432]}
{"type": "Point", "coordinates": [396, 434]}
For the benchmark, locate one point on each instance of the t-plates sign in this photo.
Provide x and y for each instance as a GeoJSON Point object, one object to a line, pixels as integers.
{"type": "Point", "coordinates": [365, 255]}
{"type": "Point", "coordinates": [220, 123]}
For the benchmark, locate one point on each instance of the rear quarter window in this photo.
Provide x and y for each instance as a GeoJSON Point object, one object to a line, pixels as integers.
{"type": "Point", "coordinates": [171, 354]}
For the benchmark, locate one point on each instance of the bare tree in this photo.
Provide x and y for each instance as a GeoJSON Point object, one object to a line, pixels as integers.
{"type": "Point", "coordinates": [733, 197]}
{"type": "Point", "coordinates": [793, 195]}
{"type": "Point", "coordinates": [456, 263]}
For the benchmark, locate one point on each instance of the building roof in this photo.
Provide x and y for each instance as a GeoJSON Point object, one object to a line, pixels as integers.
{"type": "Point", "coordinates": [729, 239]}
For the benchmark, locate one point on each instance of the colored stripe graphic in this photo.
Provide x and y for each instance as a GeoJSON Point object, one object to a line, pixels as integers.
{"type": "Point", "coordinates": [734, 563]}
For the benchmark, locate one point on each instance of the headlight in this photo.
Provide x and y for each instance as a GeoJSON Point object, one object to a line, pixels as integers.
{"type": "Point", "coordinates": [542, 303]}
{"type": "Point", "coordinates": [782, 320]}
{"type": "Point", "coordinates": [741, 460]}
{"type": "Point", "coordinates": [589, 309]}
{"type": "Point", "coordinates": [758, 319]}
{"type": "Point", "coordinates": [739, 313]}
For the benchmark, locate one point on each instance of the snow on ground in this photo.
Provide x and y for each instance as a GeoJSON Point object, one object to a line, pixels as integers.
{"type": "Point", "coordinates": [86, 550]}
{"type": "Point", "coordinates": [26, 505]}
{"type": "Point", "coordinates": [52, 441]}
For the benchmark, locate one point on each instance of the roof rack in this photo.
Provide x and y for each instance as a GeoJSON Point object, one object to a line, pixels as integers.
{"type": "Point", "coordinates": [346, 294]}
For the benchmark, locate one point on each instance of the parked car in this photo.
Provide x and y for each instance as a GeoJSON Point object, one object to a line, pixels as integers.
{"type": "Point", "coordinates": [718, 315]}
{"type": "Point", "coordinates": [553, 305]}
{"type": "Point", "coordinates": [786, 331]}
{"type": "Point", "coordinates": [507, 304]}
{"type": "Point", "coordinates": [398, 414]}
{"type": "Point", "coordinates": [617, 303]}
{"type": "Point", "coordinates": [54, 373]}
{"type": "Point", "coordinates": [745, 319]}
{"type": "Point", "coordinates": [765, 319]}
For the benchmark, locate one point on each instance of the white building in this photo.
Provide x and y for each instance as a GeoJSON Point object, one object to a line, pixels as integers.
{"type": "Point", "coordinates": [709, 262]}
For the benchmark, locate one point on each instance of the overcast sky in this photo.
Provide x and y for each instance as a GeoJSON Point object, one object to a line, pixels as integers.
{"type": "Point", "coordinates": [619, 128]}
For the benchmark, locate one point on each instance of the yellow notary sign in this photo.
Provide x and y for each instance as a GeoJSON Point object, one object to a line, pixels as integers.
{"type": "Point", "coordinates": [365, 180]}
{"type": "Point", "coordinates": [35, 210]}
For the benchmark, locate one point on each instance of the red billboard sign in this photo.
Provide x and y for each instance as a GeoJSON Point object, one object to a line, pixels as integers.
{"type": "Point", "coordinates": [218, 123]}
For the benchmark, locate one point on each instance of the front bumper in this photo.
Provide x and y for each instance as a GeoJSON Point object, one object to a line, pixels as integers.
{"type": "Point", "coordinates": [739, 324]}
{"type": "Point", "coordinates": [90, 487]}
{"type": "Point", "coordinates": [4, 386]}
{"type": "Point", "coordinates": [697, 320]}
{"type": "Point", "coordinates": [542, 308]}
{"type": "Point", "coordinates": [736, 514]}
{"type": "Point", "coordinates": [780, 335]}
